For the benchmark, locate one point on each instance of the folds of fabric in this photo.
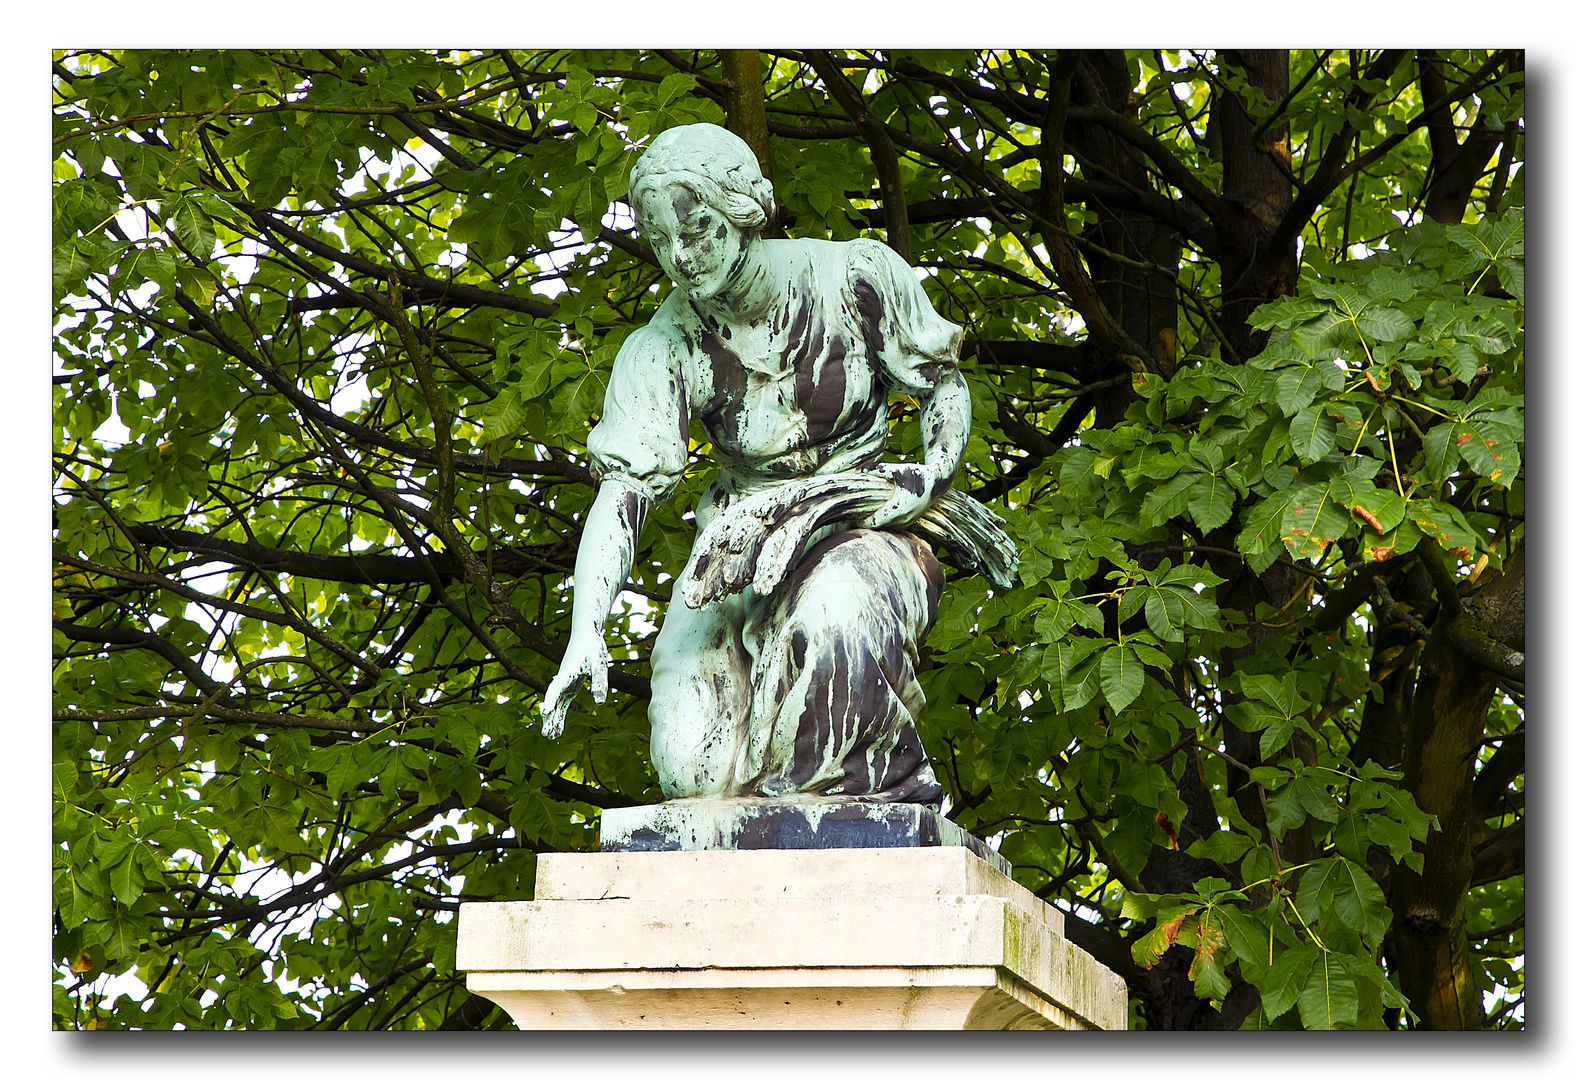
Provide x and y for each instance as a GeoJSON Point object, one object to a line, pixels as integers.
{"type": "Point", "coordinates": [811, 690]}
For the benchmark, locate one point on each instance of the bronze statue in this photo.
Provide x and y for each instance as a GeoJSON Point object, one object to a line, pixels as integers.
{"type": "Point", "coordinates": [786, 663]}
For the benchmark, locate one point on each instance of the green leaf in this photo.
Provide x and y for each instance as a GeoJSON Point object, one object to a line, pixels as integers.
{"type": "Point", "coordinates": [1130, 842]}
{"type": "Point", "coordinates": [1262, 525]}
{"type": "Point", "coordinates": [1267, 688]}
{"type": "Point", "coordinates": [1062, 614]}
{"type": "Point", "coordinates": [192, 226]}
{"type": "Point", "coordinates": [1122, 676]}
{"type": "Point", "coordinates": [1297, 387]}
{"type": "Point", "coordinates": [1169, 500]}
{"type": "Point", "coordinates": [265, 823]}
{"type": "Point", "coordinates": [1329, 998]}
{"type": "Point", "coordinates": [1209, 979]}
{"type": "Point", "coordinates": [1199, 611]}
{"type": "Point", "coordinates": [672, 86]}
{"type": "Point", "coordinates": [1351, 835]}
{"type": "Point", "coordinates": [1381, 510]}
{"type": "Point", "coordinates": [63, 777]}
{"type": "Point", "coordinates": [1210, 502]}
{"type": "Point", "coordinates": [504, 416]}
{"type": "Point", "coordinates": [580, 396]}
{"type": "Point", "coordinates": [1077, 673]}
{"type": "Point", "coordinates": [1299, 800]}
{"type": "Point", "coordinates": [1384, 324]}
{"type": "Point", "coordinates": [1249, 942]}
{"type": "Point", "coordinates": [1358, 902]}
{"type": "Point", "coordinates": [1288, 976]}
{"type": "Point", "coordinates": [1510, 273]}
{"type": "Point", "coordinates": [1312, 434]}
{"type": "Point", "coordinates": [1461, 359]}
{"type": "Point", "coordinates": [1221, 846]}
{"type": "Point", "coordinates": [1445, 524]}
{"type": "Point", "coordinates": [1490, 450]}
{"type": "Point", "coordinates": [1077, 472]}
{"type": "Point", "coordinates": [1165, 613]}
{"type": "Point", "coordinates": [1313, 519]}
{"type": "Point", "coordinates": [1440, 453]}
{"type": "Point", "coordinates": [126, 879]}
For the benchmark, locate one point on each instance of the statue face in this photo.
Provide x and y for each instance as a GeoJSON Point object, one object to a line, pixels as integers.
{"type": "Point", "coordinates": [698, 247]}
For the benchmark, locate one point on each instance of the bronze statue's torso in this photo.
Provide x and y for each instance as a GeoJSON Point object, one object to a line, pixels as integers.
{"type": "Point", "coordinates": [797, 393]}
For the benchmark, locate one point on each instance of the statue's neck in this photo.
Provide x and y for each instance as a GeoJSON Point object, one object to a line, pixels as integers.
{"type": "Point", "coordinates": [750, 294]}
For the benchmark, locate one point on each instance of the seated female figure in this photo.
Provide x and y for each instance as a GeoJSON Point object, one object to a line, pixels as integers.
{"type": "Point", "coordinates": [786, 662]}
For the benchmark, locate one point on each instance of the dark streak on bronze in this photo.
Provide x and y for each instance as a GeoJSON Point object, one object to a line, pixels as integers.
{"type": "Point", "coordinates": [632, 511]}
{"type": "Point", "coordinates": [728, 393]}
{"type": "Point", "coordinates": [677, 388]}
{"type": "Point", "coordinates": [871, 312]}
{"type": "Point", "coordinates": [824, 408]}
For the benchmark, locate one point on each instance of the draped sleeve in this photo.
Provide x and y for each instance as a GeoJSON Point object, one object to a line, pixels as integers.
{"type": "Point", "coordinates": [914, 347]}
{"type": "Point", "coordinates": [644, 433]}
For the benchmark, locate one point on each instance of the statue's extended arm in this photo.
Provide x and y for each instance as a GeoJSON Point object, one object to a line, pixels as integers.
{"type": "Point", "coordinates": [602, 566]}
{"type": "Point", "coordinates": [944, 431]}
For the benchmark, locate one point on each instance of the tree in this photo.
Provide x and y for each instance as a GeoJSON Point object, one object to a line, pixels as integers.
{"type": "Point", "coordinates": [1244, 331]}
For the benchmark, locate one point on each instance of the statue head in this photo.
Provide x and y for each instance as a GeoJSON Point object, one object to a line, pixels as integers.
{"type": "Point", "coordinates": [700, 201]}
{"type": "Point", "coordinates": [715, 164]}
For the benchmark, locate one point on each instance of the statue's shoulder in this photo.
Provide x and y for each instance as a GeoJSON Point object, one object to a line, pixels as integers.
{"type": "Point", "coordinates": [839, 263]}
{"type": "Point", "coordinates": [665, 333]}
{"type": "Point", "coordinates": [866, 255]}
{"type": "Point", "coordinates": [812, 249]}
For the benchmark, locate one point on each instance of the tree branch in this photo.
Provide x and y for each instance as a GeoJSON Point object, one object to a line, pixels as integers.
{"type": "Point", "coordinates": [217, 712]}
{"type": "Point", "coordinates": [311, 408]}
{"type": "Point", "coordinates": [1507, 763]}
{"type": "Point", "coordinates": [1502, 855]}
{"type": "Point", "coordinates": [420, 284]}
{"type": "Point", "coordinates": [883, 156]}
{"type": "Point", "coordinates": [139, 639]}
{"type": "Point", "coordinates": [286, 618]}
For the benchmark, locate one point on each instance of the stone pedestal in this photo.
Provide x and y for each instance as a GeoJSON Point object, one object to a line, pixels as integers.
{"type": "Point", "coordinates": [787, 823]}
{"type": "Point", "coordinates": [821, 938]}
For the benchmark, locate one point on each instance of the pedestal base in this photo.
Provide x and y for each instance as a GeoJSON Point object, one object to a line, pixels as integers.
{"type": "Point", "coordinates": [788, 823]}
{"type": "Point", "coordinates": [887, 938]}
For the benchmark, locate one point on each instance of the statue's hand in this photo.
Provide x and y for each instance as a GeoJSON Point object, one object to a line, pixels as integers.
{"type": "Point", "coordinates": [915, 487]}
{"type": "Point", "coordinates": [585, 658]}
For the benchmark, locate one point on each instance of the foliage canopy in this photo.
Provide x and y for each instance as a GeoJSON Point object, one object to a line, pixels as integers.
{"type": "Point", "coordinates": [1244, 333]}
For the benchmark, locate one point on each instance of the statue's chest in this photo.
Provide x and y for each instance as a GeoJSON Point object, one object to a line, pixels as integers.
{"type": "Point", "coordinates": [786, 382]}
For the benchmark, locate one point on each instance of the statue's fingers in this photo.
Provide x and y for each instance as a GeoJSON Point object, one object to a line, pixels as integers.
{"type": "Point", "coordinates": [785, 546]}
{"type": "Point", "coordinates": [736, 574]}
{"type": "Point", "coordinates": [555, 704]}
{"type": "Point", "coordinates": [553, 723]}
{"type": "Point", "coordinates": [550, 697]}
{"type": "Point", "coordinates": [770, 564]}
{"type": "Point", "coordinates": [739, 535]}
{"type": "Point", "coordinates": [752, 559]}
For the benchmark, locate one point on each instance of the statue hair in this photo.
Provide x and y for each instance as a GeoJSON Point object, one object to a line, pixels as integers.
{"type": "Point", "coordinates": [714, 163]}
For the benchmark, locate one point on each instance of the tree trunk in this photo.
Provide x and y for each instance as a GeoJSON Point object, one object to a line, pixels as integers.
{"type": "Point", "coordinates": [1255, 183]}
{"type": "Point", "coordinates": [1455, 168]}
{"type": "Point", "coordinates": [746, 103]}
{"type": "Point", "coordinates": [1429, 927]}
